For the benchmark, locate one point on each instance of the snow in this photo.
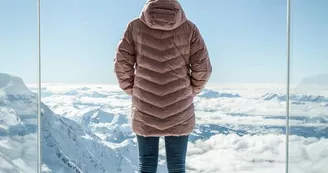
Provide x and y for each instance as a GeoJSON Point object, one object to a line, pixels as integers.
{"type": "Point", "coordinates": [66, 146]}
{"type": "Point", "coordinates": [12, 85]}
{"type": "Point", "coordinates": [236, 116]}
{"type": "Point", "coordinates": [45, 169]}
{"type": "Point", "coordinates": [69, 145]}
{"type": "Point", "coordinates": [6, 165]}
{"type": "Point", "coordinates": [17, 126]}
{"type": "Point", "coordinates": [8, 119]}
{"type": "Point", "coordinates": [86, 128]}
{"type": "Point", "coordinates": [21, 165]}
{"type": "Point", "coordinates": [19, 153]}
{"type": "Point", "coordinates": [206, 93]}
{"type": "Point", "coordinates": [296, 97]}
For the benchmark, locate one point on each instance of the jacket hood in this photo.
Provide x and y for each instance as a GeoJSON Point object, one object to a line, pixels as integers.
{"type": "Point", "coordinates": [163, 14]}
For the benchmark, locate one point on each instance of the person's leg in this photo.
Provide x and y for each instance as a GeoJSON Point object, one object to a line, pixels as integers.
{"type": "Point", "coordinates": [148, 154]}
{"type": "Point", "coordinates": [176, 150]}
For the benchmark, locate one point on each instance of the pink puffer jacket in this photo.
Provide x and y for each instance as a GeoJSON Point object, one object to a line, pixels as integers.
{"type": "Point", "coordinates": [162, 61]}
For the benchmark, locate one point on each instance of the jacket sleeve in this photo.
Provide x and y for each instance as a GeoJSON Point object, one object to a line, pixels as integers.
{"type": "Point", "coordinates": [200, 64]}
{"type": "Point", "coordinates": [125, 60]}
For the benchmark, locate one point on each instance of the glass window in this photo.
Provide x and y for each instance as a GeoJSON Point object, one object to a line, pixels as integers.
{"type": "Point", "coordinates": [18, 86]}
{"type": "Point", "coordinates": [86, 116]}
{"type": "Point", "coordinates": [309, 92]}
{"type": "Point", "coordinates": [241, 114]}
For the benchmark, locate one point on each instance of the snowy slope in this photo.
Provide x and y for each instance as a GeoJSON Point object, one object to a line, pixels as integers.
{"type": "Point", "coordinates": [18, 126]}
{"type": "Point", "coordinates": [12, 85]}
{"type": "Point", "coordinates": [66, 147]}
{"type": "Point", "coordinates": [207, 93]}
{"type": "Point", "coordinates": [232, 123]}
{"type": "Point", "coordinates": [69, 148]}
{"type": "Point", "coordinates": [237, 130]}
{"type": "Point", "coordinates": [296, 97]}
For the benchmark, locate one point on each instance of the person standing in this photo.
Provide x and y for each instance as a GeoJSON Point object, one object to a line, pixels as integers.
{"type": "Point", "coordinates": [162, 61]}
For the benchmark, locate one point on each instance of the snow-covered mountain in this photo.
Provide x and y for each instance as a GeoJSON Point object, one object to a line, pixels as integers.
{"type": "Point", "coordinates": [66, 147]}
{"type": "Point", "coordinates": [207, 93]}
{"type": "Point", "coordinates": [321, 79]}
{"type": "Point", "coordinates": [313, 89]}
{"type": "Point", "coordinates": [111, 127]}
{"type": "Point", "coordinates": [18, 126]}
{"type": "Point", "coordinates": [313, 85]}
{"type": "Point", "coordinates": [296, 97]}
{"type": "Point", "coordinates": [227, 119]}
{"type": "Point", "coordinates": [87, 129]}
{"type": "Point", "coordinates": [69, 148]}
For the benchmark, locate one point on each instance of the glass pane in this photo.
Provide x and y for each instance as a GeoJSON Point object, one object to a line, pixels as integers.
{"type": "Point", "coordinates": [85, 124]}
{"type": "Point", "coordinates": [309, 94]}
{"type": "Point", "coordinates": [18, 87]}
{"type": "Point", "coordinates": [240, 116]}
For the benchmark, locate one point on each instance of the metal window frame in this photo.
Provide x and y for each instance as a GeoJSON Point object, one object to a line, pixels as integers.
{"type": "Point", "coordinates": [288, 85]}
{"type": "Point", "coordinates": [39, 163]}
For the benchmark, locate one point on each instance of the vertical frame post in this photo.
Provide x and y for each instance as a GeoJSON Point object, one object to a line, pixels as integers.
{"type": "Point", "coordinates": [288, 85]}
{"type": "Point", "coordinates": [39, 90]}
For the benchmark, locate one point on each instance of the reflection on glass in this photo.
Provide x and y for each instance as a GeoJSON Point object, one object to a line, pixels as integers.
{"type": "Point", "coordinates": [309, 94]}
{"type": "Point", "coordinates": [240, 115]}
{"type": "Point", "coordinates": [85, 124]}
{"type": "Point", "coordinates": [18, 78]}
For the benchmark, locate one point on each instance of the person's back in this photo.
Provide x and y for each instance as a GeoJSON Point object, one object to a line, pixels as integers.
{"type": "Point", "coordinates": [162, 61]}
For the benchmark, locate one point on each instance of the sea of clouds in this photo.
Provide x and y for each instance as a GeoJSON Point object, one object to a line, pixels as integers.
{"type": "Point", "coordinates": [260, 148]}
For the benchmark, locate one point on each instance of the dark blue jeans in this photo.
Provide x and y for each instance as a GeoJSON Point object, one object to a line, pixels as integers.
{"type": "Point", "coordinates": [176, 150]}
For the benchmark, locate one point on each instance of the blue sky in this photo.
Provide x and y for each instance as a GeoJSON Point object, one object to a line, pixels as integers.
{"type": "Point", "coordinates": [246, 38]}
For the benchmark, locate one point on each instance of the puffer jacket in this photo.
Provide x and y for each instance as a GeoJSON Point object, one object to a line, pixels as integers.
{"type": "Point", "coordinates": [162, 62]}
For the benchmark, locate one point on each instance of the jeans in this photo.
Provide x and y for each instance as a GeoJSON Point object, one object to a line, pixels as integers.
{"type": "Point", "coordinates": [176, 150]}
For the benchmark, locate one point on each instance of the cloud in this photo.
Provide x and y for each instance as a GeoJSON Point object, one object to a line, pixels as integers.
{"type": "Point", "coordinates": [249, 109]}
{"type": "Point", "coordinates": [87, 22]}
{"type": "Point", "coordinates": [256, 154]}
{"type": "Point", "coordinates": [260, 153]}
